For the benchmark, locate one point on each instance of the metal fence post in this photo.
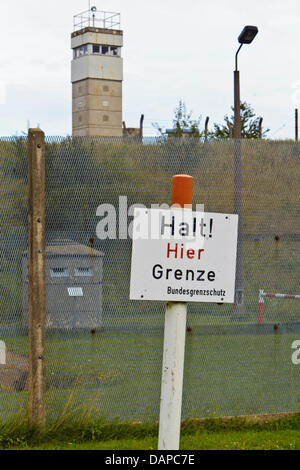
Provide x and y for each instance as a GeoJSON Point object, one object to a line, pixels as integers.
{"type": "Point", "coordinates": [36, 276]}
{"type": "Point", "coordinates": [238, 206]}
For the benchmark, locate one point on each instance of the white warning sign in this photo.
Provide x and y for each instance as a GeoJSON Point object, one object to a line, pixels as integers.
{"type": "Point", "coordinates": [181, 255]}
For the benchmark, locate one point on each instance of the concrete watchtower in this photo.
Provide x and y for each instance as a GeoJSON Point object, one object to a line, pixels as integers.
{"type": "Point", "coordinates": [97, 74]}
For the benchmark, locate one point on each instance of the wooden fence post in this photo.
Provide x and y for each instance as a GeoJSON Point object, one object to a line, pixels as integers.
{"type": "Point", "coordinates": [36, 276]}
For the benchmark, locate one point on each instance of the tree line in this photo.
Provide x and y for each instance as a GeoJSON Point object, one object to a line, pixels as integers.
{"type": "Point", "coordinates": [185, 125]}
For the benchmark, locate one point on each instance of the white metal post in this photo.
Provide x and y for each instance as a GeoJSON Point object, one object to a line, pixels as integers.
{"type": "Point", "coordinates": [174, 343]}
{"type": "Point", "coordinates": [172, 376]}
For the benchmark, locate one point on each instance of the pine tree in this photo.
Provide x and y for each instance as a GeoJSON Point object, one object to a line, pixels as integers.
{"type": "Point", "coordinates": [250, 125]}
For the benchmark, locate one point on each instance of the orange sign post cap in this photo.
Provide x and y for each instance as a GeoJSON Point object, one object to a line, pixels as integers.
{"type": "Point", "coordinates": [182, 190]}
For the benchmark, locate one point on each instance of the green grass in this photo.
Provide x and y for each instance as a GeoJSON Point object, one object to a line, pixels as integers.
{"type": "Point", "coordinates": [264, 433]}
{"type": "Point", "coordinates": [118, 376]}
{"type": "Point", "coordinates": [250, 440]}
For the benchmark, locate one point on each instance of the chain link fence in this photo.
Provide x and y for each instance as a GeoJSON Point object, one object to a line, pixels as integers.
{"type": "Point", "coordinates": [103, 351]}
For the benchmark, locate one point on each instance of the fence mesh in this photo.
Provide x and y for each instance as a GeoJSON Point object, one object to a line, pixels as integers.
{"type": "Point", "coordinates": [103, 351]}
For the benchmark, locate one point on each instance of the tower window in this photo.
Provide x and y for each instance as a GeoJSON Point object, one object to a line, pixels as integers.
{"type": "Point", "coordinates": [105, 117]}
{"type": "Point", "coordinates": [113, 50]}
{"type": "Point", "coordinates": [105, 50]}
{"type": "Point", "coordinates": [80, 51]}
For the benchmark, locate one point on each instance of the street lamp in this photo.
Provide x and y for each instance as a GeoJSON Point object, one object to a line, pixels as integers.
{"type": "Point", "coordinates": [248, 34]}
{"type": "Point", "coordinates": [246, 37]}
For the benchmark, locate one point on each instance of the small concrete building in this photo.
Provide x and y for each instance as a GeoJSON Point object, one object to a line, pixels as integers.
{"type": "Point", "coordinates": [97, 74]}
{"type": "Point", "coordinates": [73, 286]}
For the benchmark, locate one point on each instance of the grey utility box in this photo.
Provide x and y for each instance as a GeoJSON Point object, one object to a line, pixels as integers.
{"type": "Point", "coordinates": [73, 286]}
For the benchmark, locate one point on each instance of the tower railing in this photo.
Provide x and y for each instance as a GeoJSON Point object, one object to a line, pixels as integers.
{"type": "Point", "coordinates": [97, 19]}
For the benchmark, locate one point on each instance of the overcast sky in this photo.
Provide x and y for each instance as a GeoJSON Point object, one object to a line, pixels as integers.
{"type": "Point", "coordinates": [173, 50]}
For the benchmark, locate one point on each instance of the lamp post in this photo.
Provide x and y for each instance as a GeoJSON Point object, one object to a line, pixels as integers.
{"type": "Point", "coordinates": [246, 37]}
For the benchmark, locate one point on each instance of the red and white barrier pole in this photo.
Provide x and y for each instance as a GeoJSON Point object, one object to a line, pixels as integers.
{"type": "Point", "coordinates": [174, 344]}
{"type": "Point", "coordinates": [282, 296]}
{"type": "Point", "coordinates": [263, 294]}
{"type": "Point", "coordinates": [261, 307]}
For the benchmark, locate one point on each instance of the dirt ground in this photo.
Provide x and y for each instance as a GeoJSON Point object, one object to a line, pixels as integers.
{"type": "Point", "coordinates": [14, 374]}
